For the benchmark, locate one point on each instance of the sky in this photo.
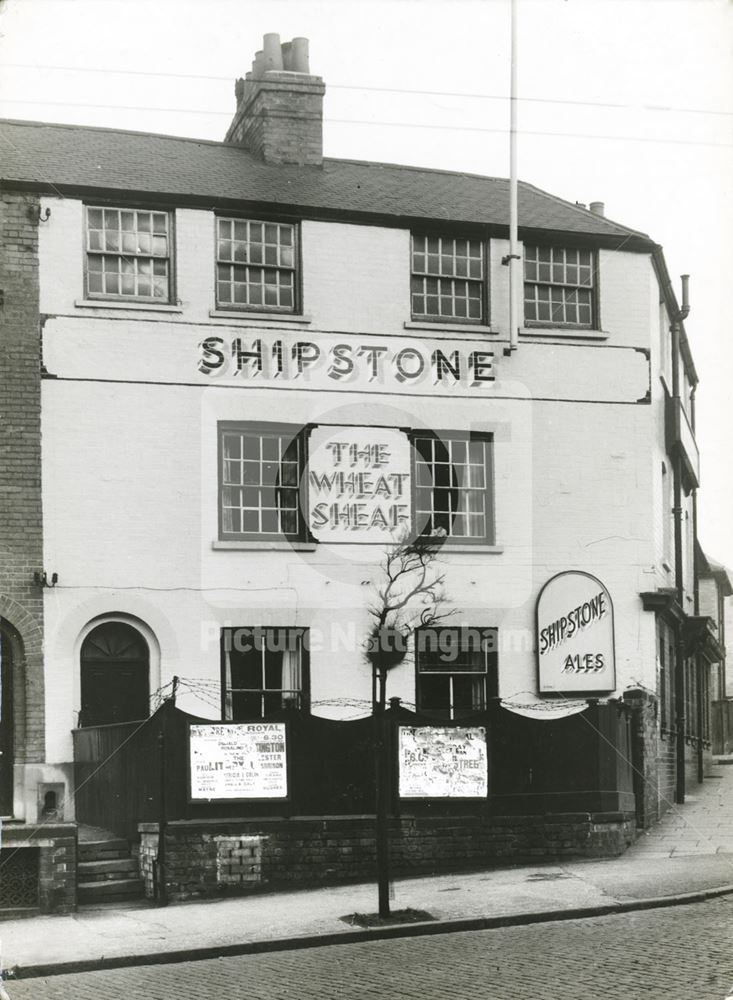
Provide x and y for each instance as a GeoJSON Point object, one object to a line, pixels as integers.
{"type": "Point", "coordinates": [629, 102]}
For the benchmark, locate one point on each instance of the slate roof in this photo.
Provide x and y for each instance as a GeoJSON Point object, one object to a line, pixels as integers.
{"type": "Point", "coordinates": [76, 159]}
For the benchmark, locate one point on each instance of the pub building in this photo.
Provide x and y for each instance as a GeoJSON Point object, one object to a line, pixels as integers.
{"type": "Point", "coordinates": [238, 371]}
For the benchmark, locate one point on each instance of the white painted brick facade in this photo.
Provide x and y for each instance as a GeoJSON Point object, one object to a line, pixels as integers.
{"type": "Point", "coordinates": [130, 465]}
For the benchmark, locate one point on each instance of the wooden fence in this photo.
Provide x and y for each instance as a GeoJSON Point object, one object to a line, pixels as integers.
{"type": "Point", "coordinates": [138, 772]}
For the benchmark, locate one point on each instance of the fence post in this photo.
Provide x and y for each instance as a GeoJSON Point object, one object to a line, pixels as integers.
{"type": "Point", "coordinates": [162, 820]}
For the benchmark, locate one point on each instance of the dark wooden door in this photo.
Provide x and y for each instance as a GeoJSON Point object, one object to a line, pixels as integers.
{"type": "Point", "coordinates": [6, 726]}
{"type": "Point", "coordinates": [115, 683]}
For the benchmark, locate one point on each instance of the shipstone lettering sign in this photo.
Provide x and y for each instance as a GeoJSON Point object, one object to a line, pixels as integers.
{"type": "Point", "coordinates": [238, 760]}
{"type": "Point", "coordinates": [442, 763]}
{"type": "Point", "coordinates": [575, 636]}
{"type": "Point", "coordinates": [358, 483]}
{"type": "Point", "coordinates": [330, 362]}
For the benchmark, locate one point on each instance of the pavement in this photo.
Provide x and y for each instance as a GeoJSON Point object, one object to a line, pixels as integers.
{"type": "Point", "coordinates": [687, 857]}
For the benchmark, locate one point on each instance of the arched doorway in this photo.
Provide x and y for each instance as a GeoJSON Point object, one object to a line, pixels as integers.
{"type": "Point", "coordinates": [6, 724]}
{"type": "Point", "coordinates": [115, 684]}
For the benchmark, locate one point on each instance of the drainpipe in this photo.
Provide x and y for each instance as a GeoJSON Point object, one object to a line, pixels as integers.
{"type": "Point", "coordinates": [700, 664]}
{"type": "Point", "coordinates": [679, 578]}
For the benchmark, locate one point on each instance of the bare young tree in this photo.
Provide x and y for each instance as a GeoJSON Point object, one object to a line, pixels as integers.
{"type": "Point", "coordinates": [408, 596]}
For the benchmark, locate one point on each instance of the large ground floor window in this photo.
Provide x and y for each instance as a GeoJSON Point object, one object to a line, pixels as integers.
{"type": "Point", "coordinates": [264, 670]}
{"type": "Point", "coordinates": [456, 670]}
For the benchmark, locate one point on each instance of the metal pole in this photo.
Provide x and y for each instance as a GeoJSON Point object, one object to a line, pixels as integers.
{"type": "Point", "coordinates": [381, 765]}
{"type": "Point", "coordinates": [513, 193]}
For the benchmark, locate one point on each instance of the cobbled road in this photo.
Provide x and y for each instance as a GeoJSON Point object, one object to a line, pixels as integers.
{"type": "Point", "coordinates": [681, 953]}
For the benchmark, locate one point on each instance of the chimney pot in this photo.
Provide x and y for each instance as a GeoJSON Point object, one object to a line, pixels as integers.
{"type": "Point", "coordinates": [279, 114]}
{"type": "Point", "coordinates": [272, 53]}
{"type": "Point", "coordinates": [598, 208]}
{"type": "Point", "coordinates": [300, 55]}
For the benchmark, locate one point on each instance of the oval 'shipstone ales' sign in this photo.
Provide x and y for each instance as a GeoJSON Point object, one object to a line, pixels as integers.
{"type": "Point", "coordinates": [575, 640]}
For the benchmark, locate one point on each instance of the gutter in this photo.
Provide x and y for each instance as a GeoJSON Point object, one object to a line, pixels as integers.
{"type": "Point", "coordinates": [679, 315]}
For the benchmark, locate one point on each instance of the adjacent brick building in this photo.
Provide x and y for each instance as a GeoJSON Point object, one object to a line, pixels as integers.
{"type": "Point", "coordinates": [233, 370]}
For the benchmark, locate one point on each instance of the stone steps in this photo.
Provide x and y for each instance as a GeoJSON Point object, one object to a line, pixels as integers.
{"type": "Point", "coordinates": [103, 850]}
{"type": "Point", "coordinates": [106, 873]}
{"type": "Point", "coordinates": [110, 892]}
{"type": "Point", "coordinates": [103, 871]}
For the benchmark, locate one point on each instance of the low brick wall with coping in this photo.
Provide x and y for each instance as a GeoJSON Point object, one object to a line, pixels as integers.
{"type": "Point", "coordinates": [225, 857]}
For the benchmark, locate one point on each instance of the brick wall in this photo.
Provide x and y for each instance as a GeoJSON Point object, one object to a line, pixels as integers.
{"type": "Point", "coordinates": [21, 546]}
{"type": "Point", "coordinates": [57, 856]}
{"type": "Point", "coordinates": [281, 121]}
{"type": "Point", "coordinates": [233, 856]}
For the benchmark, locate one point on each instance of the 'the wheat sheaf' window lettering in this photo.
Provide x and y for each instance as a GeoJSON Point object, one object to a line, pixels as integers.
{"type": "Point", "coordinates": [358, 483]}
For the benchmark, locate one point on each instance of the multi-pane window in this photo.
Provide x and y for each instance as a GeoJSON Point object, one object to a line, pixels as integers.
{"type": "Point", "coordinates": [453, 486]}
{"type": "Point", "coordinates": [255, 265]}
{"type": "Point", "coordinates": [666, 658]}
{"type": "Point", "coordinates": [259, 482]}
{"type": "Point", "coordinates": [264, 671]}
{"type": "Point", "coordinates": [447, 278]}
{"type": "Point", "coordinates": [558, 286]}
{"type": "Point", "coordinates": [456, 670]}
{"type": "Point", "coordinates": [128, 253]}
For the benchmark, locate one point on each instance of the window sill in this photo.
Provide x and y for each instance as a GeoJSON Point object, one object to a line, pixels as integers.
{"type": "Point", "coordinates": [258, 317]}
{"type": "Point", "coordinates": [448, 548]}
{"type": "Point", "coordinates": [445, 327]}
{"type": "Point", "coordinates": [571, 332]}
{"type": "Point", "coordinates": [237, 546]}
{"type": "Point", "coordinates": [123, 304]}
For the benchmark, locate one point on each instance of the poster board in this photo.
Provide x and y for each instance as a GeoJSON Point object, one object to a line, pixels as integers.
{"type": "Point", "coordinates": [442, 762]}
{"type": "Point", "coordinates": [237, 761]}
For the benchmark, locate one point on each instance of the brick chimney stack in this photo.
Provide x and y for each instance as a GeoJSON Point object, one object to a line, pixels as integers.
{"type": "Point", "coordinates": [279, 114]}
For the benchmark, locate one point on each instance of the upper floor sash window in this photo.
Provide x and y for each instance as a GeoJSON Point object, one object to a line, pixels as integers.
{"type": "Point", "coordinates": [255, 265]}
{"type": "Point", "coordinates": [559, 287]}
{"type": "Point", "coordinates": [128, 254]}
{"type": "Point", "coordinates": [448, 279]}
